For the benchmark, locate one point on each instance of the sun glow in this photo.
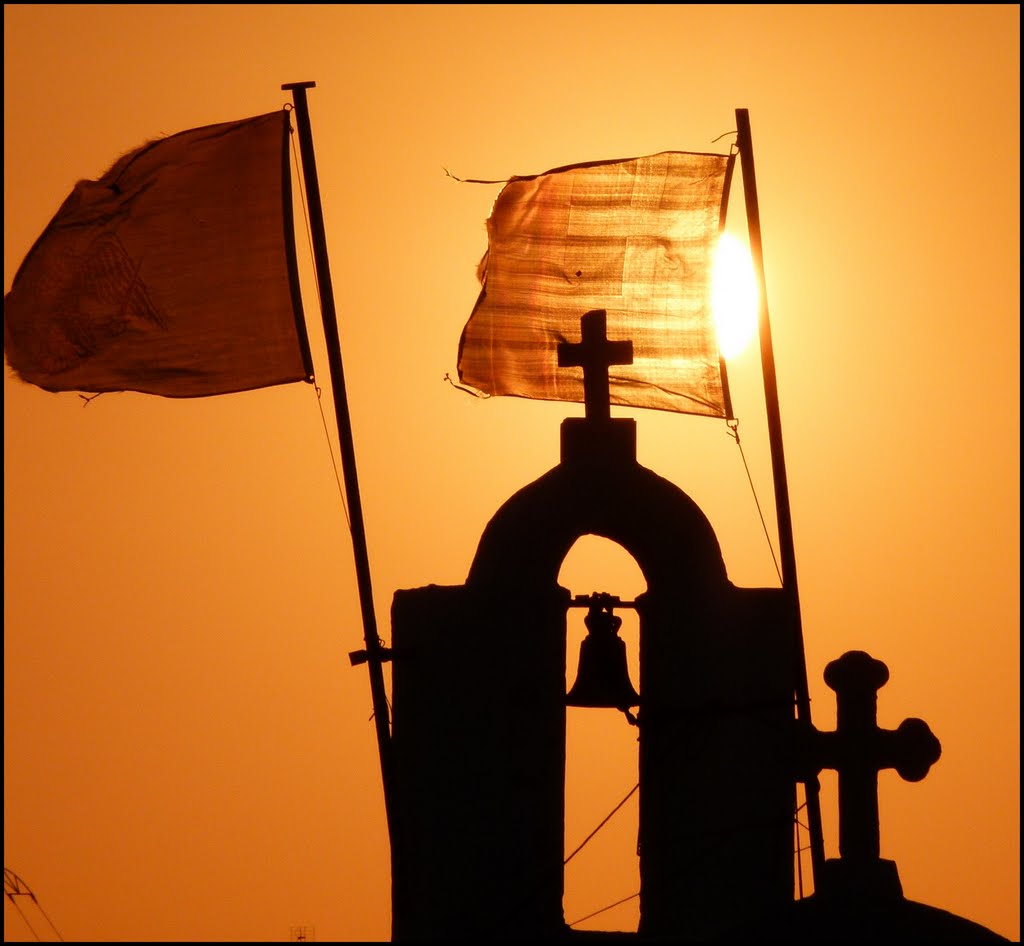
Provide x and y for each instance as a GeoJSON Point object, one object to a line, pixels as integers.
{"type": "Point", "coordinates": [734, 296]}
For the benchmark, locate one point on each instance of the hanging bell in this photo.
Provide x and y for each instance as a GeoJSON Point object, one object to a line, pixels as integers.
{"type": "Point", "coordinates": [602, 678]}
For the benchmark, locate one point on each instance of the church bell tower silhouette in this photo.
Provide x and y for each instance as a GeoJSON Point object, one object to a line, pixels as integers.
{"type": "Point", "coordinates": [479, 696]}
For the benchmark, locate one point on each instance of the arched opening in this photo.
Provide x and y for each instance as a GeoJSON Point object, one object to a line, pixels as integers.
{"type": "Point", "coordinates": [601, 755]}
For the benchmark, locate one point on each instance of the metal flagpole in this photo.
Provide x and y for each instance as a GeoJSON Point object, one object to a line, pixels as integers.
{"type": "Point", "coordinates": [375, 653]}
{"type": "Point", "coordinates": [785, 524]}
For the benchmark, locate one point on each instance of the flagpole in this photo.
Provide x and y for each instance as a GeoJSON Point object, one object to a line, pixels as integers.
{"type": "Point", "coordinates": [375, 653]}
{"type": "Point", "coordinates": [787, 553]}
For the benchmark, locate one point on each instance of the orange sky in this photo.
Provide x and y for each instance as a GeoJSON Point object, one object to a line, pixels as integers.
{"type": "Point", "coordinates": [188, 754]}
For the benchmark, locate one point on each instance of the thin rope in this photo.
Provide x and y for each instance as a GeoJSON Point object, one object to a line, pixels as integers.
{"type": "Point", "coordinates": [734, 430]}
{"type": "Point", "coordinates": [605, 909]}
{"type": "Point", "coordinates": [601, 825]}
{"type": "Point", "coordinates": [330, 450]}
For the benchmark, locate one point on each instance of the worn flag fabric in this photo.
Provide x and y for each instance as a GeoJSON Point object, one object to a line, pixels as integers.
{"type": "Point", "coordinates": [635, 238]}
{"type": "Point", "coordinates": [173, 274]}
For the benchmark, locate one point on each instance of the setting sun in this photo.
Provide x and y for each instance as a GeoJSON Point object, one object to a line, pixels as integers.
{"type": "Point", "coordinates": [734, 296]}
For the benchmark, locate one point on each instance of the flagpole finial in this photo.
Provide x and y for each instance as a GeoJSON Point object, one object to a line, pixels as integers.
{"type": "Point", "coordinates": [288, 86]}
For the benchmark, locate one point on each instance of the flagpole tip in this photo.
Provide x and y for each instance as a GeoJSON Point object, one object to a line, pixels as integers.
{"type": "Point", "coordinates": [298, 85]}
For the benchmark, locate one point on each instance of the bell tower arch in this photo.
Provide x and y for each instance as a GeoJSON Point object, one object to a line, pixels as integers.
{"type": "Point", "coordinates": [479, 713]}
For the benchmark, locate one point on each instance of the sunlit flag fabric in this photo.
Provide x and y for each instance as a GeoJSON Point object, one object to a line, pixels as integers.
{"type": "Point", "coordinates": [634, 237]}
{"type": "Point", "coordinates": [173, 274]}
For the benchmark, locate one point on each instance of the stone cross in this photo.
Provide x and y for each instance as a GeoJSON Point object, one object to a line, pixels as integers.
{"type": "Point", "coordinates": [595, 354]}
{"type": "Point", "coordinates": [858, 750]}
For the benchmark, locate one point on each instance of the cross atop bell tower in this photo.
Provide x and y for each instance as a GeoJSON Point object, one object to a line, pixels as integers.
{"type": "Point", "coordinates": [595, 355]}
{"type": "Point", "coordinates": [597, 437]}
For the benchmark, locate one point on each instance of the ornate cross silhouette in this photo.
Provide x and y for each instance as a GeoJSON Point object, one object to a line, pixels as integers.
{"type": "Point", "coordinates": [595, 354]}
{"type": "Point", "coordinates": [858, 750]}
